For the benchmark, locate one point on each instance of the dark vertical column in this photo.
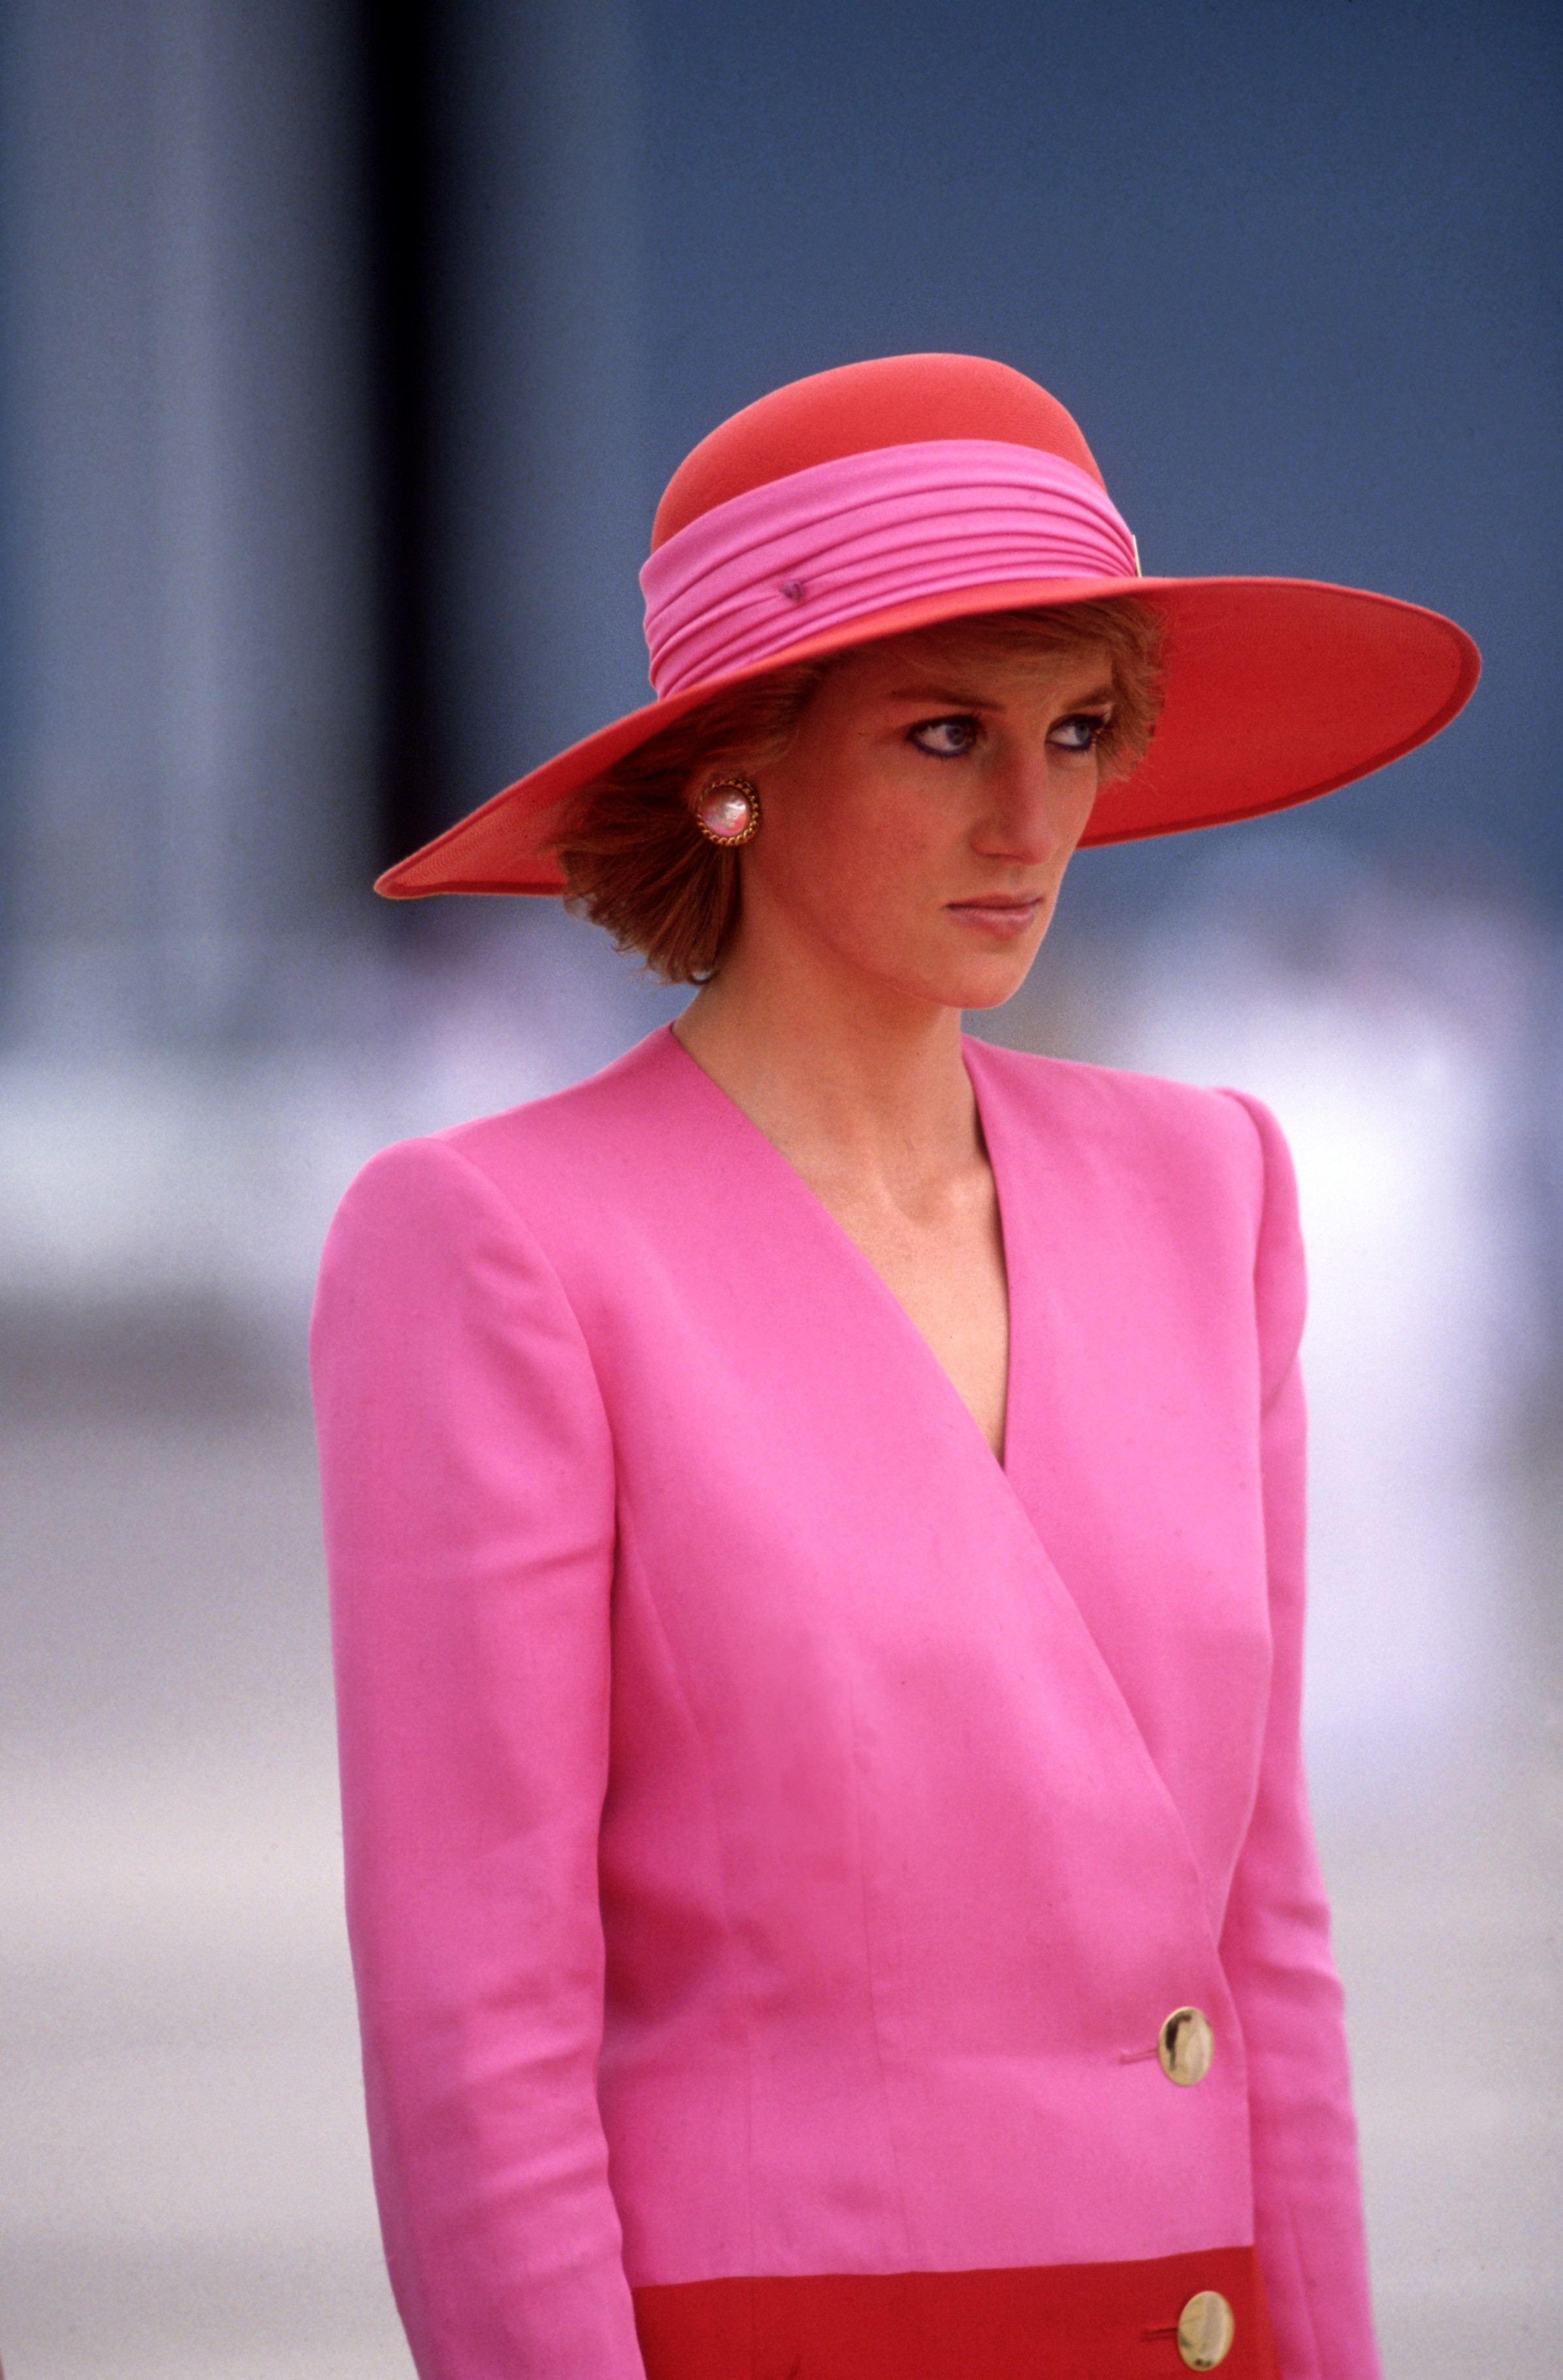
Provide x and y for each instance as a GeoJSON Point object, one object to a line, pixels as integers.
{"type": "Point", "coordinates": [401, 57]}
{"type": "Point", "coordinates": [541, 509]}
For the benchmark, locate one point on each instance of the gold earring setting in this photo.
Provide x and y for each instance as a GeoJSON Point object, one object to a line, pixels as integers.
{"type": "Point", "coordinates": [728, 811]}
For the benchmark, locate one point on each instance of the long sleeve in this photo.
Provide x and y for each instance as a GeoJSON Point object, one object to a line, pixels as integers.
{"type": "Point", "coordinates": [467, 1478]}
{"type": "Point", "coordinates": [1275, 1940]}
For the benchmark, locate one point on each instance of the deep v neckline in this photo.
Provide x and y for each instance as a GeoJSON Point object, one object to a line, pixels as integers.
{"type": "Point", "coordinates": [866, 1266]}
{"type": "Point", "coordinates": [1015, 1480]}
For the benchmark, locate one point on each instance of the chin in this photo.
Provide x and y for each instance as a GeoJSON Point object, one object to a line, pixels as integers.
{"type": "Point", "coordinates": [991, 996]}
{"type": "Point", "coordinates": [989, 983]}
{"type": "Point", "coordinates": [961, 980]}
{"type": "Point", "coordinates": [981, 986]}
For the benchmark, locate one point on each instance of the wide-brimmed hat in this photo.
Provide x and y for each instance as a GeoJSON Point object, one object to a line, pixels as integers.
{"type": "Point", "coordinates": [887, 496]}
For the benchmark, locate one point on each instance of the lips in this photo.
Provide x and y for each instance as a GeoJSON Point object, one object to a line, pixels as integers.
{"type": "Point", "coordinates": [998, 916]}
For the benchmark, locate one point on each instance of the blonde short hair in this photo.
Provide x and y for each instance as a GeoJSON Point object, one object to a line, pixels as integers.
{"type": "Point", "coordinates": [635, 862]}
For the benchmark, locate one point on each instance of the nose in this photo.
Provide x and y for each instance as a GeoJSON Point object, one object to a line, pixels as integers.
{"type": "Point", "coordinates": [1036, 811]}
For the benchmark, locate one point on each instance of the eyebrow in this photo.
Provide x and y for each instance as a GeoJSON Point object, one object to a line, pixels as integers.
{"type": "Point", "coordinates": [951, 699]}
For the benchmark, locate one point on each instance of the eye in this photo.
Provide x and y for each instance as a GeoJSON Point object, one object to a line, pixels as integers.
{"type": "Point", "coordinates": [1081, 733]}
{"type": "Point", "coordinates": [947, 739]}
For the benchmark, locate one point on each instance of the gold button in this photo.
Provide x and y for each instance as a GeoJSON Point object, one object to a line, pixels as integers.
{"type": "Point", "coordinates": [1186, 2046]}
{"type": "Point", "coordinates": [1205, 2331]}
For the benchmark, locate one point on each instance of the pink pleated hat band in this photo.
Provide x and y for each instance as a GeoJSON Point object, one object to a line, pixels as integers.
{"type": "Point", "coordinates": [843, 539]}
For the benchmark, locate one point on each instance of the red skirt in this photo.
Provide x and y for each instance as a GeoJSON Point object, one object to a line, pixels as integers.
{"type": "Point", "coordinates": [1054, 2322]}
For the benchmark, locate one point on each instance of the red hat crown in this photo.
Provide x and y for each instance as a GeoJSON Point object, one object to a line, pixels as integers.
{"type": "Point", "coordinates": [892, 401]}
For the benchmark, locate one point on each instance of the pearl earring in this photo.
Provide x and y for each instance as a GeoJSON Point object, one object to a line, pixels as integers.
{"type": "Point", "coordinates": [728, 811]}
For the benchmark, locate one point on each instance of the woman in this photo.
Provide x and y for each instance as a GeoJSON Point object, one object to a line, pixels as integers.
{"type": "Point", "coordinates": [814, 1513]}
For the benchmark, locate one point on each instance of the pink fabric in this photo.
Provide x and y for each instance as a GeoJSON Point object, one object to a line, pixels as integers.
{"type": "Point", "coordinates": [775, 1832]}
{"type": "Point", "coordinates": [841, 539]}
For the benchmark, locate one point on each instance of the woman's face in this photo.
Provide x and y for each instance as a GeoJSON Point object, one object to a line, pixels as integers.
{"type": "Point", "coordinates": [919, 828]}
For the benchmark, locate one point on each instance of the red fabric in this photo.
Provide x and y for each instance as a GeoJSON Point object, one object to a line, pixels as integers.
{"type": "Point", "coordinates": [1077, 2322]}
{"type": "Point", "coordinates": [895, 401]}
{"type": "Point", "coordinates": [1277, 690]}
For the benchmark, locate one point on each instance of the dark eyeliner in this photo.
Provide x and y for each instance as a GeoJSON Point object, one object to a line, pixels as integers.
{"type": "Point", "coordinates": [1098, 721]}
{"type": "Point", "coordinates": [946, 719]}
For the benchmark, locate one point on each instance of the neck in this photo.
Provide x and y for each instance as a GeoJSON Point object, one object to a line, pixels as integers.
{"type": "Point", "coordinates": [845, 1075]}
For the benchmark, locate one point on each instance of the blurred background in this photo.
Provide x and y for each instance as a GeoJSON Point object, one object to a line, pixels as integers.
{"type": "Point", "coordinates": [344, 351]}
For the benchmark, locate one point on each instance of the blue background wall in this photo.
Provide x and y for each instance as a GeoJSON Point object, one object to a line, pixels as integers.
{"type": "Point", "coordinates": [1295, 268]}
{"type": "Point", "coordinates": [1292, 267]}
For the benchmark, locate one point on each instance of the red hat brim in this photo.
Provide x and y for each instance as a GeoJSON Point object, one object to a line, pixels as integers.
{"type": "Point", "coordinates": [1276, 690]}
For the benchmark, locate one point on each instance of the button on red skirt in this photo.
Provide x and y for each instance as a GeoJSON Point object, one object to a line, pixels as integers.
{"type": "Point", "coordinates": [1054, 2322]}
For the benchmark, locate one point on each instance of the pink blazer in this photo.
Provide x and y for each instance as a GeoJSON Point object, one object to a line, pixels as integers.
{"type": "Point", "coordinates": [775, 1832]}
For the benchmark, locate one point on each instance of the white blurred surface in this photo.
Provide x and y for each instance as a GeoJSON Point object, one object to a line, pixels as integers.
{"type": "Point", "coordinates": [186, 2186]}
{"type": "Point", "coordinates": [1393, 1050]}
